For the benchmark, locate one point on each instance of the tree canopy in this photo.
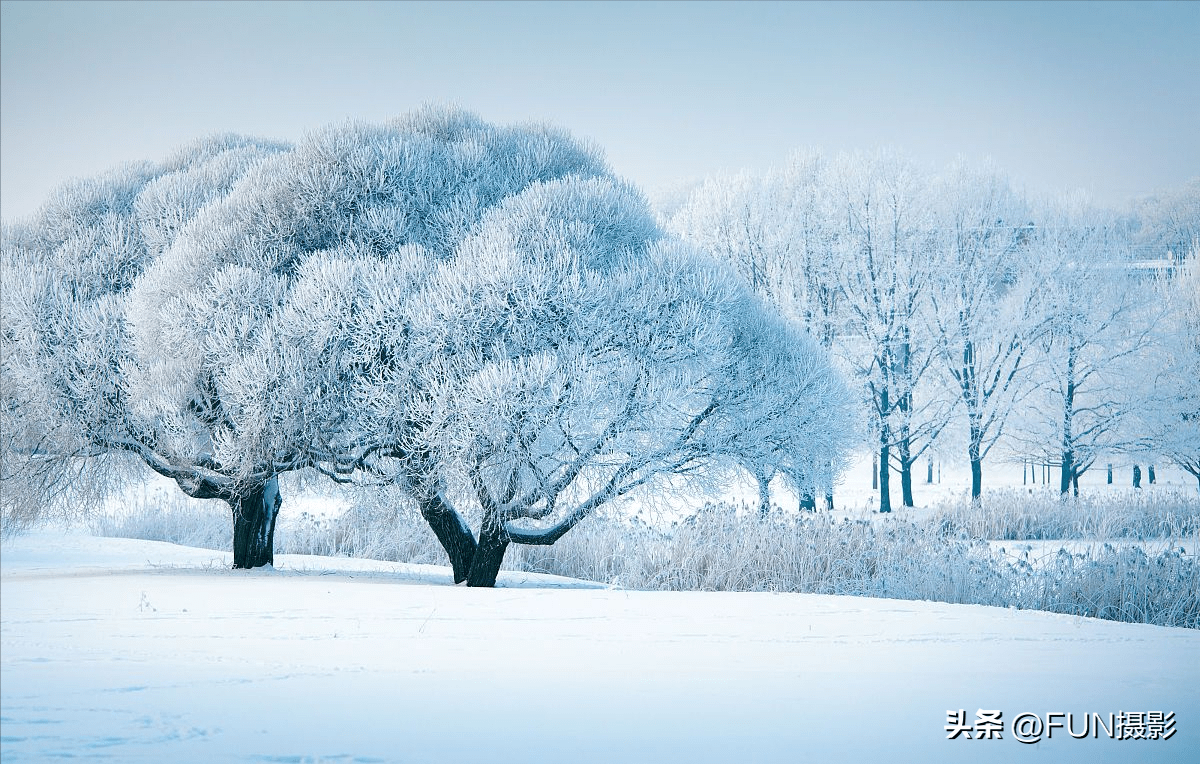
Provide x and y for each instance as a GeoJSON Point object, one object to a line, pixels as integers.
{"type": "Point", "coordinates": [482, 314]}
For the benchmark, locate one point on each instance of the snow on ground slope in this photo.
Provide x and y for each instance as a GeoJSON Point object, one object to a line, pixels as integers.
{"type": "Point", "coordinates": [127, 651]}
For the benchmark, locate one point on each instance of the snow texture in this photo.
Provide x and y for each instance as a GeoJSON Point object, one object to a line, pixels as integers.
{"type": "Point", "coordinates": [126, 651]}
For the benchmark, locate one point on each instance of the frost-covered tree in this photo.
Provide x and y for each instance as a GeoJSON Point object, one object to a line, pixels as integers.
{"type": "Point", "coordinates": [174, 335]}
{"type": "Point", "coordinates": [776, 231]}
{"type": "Point", "coordinates": [885, 267]}
{"type": "Point", "coordinates": [984, 311]}
{"type": "Point", "coordinates": [64, 278]}
{"type": "Point", "coordinates": [1170, 221]}
{"type": "Point", "coordinates": [242, 365]}
{"type": "Point", "coordinates": [738, 220]}
{"type": "Point", "coordinates": [569, 354]}
{"type": "Point", "coordinates": [1096, 336]}
{"type": "Point", "coordinates": [941, 294]}
{"type": "Point", "coordinates": [1168, 412]}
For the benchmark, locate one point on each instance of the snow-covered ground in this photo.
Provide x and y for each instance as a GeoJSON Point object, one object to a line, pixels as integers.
{"type": "Point", "coordinates": [130, 651]}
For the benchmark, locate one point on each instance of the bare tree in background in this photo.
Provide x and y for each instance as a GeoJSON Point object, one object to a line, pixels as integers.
{"type": "Point", "coordinates": [885, 269]}
{"type": "Point", "coordinates": [1096, 336]}
{"type": "Point", "coordinates": [984, 303]}
{"type": "Point", "coordinates": [1168, 413]}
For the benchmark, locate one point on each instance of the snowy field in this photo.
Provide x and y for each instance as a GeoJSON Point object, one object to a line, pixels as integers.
{"type": "Point", "coordinates": [116, 650]}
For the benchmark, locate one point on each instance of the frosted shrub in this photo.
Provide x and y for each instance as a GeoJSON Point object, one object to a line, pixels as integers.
{"type": "Point", "coordinates": [170, 517]}
{"type": "Point", "coordinates": [382, 525]}
{"type": "Point", "coordinates": [725, 548]}
{"type": "Point", "coordinates": [1019, 515]}
{"type": "Point", "coordinates": [1120, 584]}
{"type": "Point", "coordinates": [1145, 573]}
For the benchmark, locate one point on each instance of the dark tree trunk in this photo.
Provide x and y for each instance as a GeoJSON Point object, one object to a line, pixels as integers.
{"type": "Point", "coordinates": [904, 403]}
{"type": "Point", "coordinates": [976, 479]}
{"type": "Point", "coordinates": [906, 493]}
{"type": "Point", "coordinates": [493, 542]}
{"type": "Point", "coordinates": [829, 501]}
{"type": "Point", "coordinates": [1150, 473]}
{"type": "Point", "coordinates": [885, 493]}
{"type": "Point", "coordinates": [808, 502]}
{"type": "Point", "coordinates": [452, 532]}
{"type": "Point", "coordinates": [975, 455]}
{"type": "Point", "coordinates": [254, 514]}
{"type": "Point", "coordinates": [764, 493]}
{"type": "Point", "coordinates": [885, 442]}
{"type": "Point", "coordinates": [1137, 476]}
{"type": "Point", "coordinates": [1075, 484]}
{"type": "Point", "coordinates": [1068, 471]}
{"type": "Point", "coordinates": [1068, 458]}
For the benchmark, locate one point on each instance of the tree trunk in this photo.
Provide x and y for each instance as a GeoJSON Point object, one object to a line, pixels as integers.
{"type": "Point", "coordinates": [829, 491]}
{"type": "Point", "coordinates": [1068, 471]}
{"type": "Point", "coordinates": [254, 514]}
{"type": "Point", "coordinates": [885, 442]}
{"type": "Point", "coordinates": [975, 455]}
{"type": "Point", "coordinates": [976, 479]}
{"type": "Point", "coordinates": [903, 370]}
{"type": "Point", "coordinates": [452, 532]}
{"type": "Point", "coordinates": [885, 494]}
{"type": "Point", "coordinates": [764, 493]}
{"type": "Point", "coordinates": [1068, 442]}
{"type": "Point", "coordinates": [489, 553]}
{"type": "Point", "coordinates": [906, 493]}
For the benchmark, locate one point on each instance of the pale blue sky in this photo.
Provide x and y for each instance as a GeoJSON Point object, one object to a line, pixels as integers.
{"type": "Point", "coordinates": [1100, 96]}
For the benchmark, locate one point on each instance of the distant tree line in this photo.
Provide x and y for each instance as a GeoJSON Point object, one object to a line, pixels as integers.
{"type": "Point", "coordinates": [1051, 328]}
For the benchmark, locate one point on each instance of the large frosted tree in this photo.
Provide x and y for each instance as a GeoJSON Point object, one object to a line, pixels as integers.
{"type": "Point", "coordinates": [568, 355]}
{"type": "Point", "coordinates": [435, 301]}
{"type": "Point", "coordinates": [164, 336]}
{"type": "Point", "coordinates": [214, 321]}
{"type": "Point", "coordinates": [65, 276]}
